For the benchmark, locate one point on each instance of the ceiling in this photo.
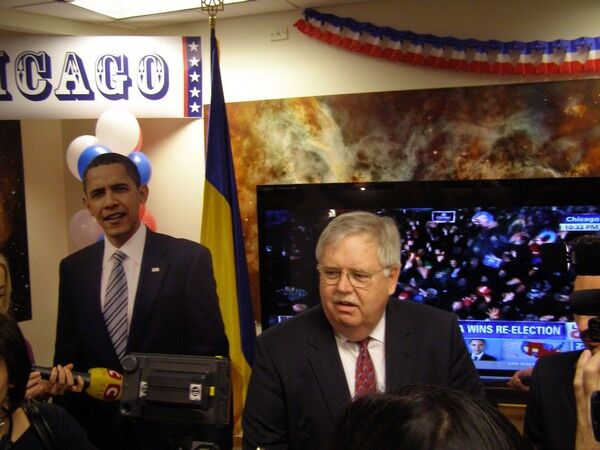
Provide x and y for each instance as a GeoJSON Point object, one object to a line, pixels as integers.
{"type": "Point", "coordinates": [65, 10]}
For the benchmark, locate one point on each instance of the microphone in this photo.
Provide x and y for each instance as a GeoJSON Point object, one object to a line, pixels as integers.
{"type": "Point", "coordinates": [98, 382]}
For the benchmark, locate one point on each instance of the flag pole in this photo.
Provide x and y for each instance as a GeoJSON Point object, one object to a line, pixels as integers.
{"type": "Point", "coordinates": [226, 243]}
{"type": "Point", "coordinates": [212, 7]}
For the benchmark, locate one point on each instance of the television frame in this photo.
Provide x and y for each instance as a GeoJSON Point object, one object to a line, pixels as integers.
{"type": "Point", "coordinates": [440, 194]}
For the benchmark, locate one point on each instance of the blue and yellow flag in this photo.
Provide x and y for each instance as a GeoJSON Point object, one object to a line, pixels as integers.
{"type": "Point", "coordinates": [222, 234]}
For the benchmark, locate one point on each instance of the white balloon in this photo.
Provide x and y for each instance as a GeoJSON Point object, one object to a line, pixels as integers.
{"type": "Point", "coordinates": [118, 130]}
{"type": "Point", "coordinates": [83, 229]}
{"type": "Point", "coordinates": [75, 149]}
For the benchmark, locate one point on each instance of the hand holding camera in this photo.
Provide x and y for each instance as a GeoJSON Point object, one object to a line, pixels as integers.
{"type": "Point", "coordinates": [587, 395]}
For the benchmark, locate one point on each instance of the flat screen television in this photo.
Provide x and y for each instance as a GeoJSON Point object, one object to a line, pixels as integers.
{"type": "Point", "coordinates": [472, 247]}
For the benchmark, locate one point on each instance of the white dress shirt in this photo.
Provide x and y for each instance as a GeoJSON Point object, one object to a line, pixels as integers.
{"type": "Point", "coordinates": [134, 249]}
{"type": "Point", "coordinates": [348, 351]}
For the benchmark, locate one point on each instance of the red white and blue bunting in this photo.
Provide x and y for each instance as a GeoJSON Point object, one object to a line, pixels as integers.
{"type": "Point", "coordinates": [505, 58]}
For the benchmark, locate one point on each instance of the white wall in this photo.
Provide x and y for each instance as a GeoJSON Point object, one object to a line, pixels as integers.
{"type": "Point", "coordinates": [255, 68]}
{"type": "Point", "coordinates": [46, 228]}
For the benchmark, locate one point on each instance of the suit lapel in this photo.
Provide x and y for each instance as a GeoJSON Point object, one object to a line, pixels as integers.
{"type": "Point", "coordinates": [152, 273]}
{"type": "Point", "coordinates": [399, 346]}
{"type": "Point", "coordinates": [326, 365]}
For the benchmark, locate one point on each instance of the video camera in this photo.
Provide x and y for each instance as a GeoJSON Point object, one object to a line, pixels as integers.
{"type": "Point", "coordinates": [176, 389]}
{"type": "Point", "coordinates": [581, 255]}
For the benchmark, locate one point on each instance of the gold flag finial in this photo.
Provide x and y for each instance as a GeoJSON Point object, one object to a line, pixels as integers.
{"type": "Point", "coordinates": [212, 7]}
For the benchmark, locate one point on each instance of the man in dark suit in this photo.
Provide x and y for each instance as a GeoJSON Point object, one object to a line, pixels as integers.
{"type": "Point", "coordinates": [550, 417]}
{"type": "Point", "coordinates": [478, 351]}
{"type": "Point", "coordinates": [170, 303]}
{"type": "Point", "coordinates": [358, 340]}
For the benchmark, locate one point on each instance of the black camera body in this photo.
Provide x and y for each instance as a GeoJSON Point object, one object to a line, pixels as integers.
{"type": "Point", "coordinates": [594, 329]}
{"type": "Point", "coordinates": [176, 389]}
{"type": "Point", "coordinates": [582, 255]}
{"type": "Point", "coordinates": [586, 302]}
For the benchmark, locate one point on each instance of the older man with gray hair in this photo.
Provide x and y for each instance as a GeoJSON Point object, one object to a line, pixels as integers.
{"type": "Point", "coordinates": [359, 340]}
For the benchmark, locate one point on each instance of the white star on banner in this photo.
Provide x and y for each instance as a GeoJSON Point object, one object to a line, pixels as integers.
{"type": "Point", "coordinates": [194, 61]}
{"type": "Point", "coordinates": [194, 92]}
{"type": "Point", "coordinates": [195, 107]}
{"type": "Point", "coordinates": [193, 46]}
{"type": "Point", "coordinates": [195, 76]}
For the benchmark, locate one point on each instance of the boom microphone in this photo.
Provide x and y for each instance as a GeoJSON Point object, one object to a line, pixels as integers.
{"type": "Point", "coordinates": [99, 383]}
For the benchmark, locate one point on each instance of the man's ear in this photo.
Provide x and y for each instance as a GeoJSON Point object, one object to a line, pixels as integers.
{"type": "Point", "coordinates": [144, 192]}
{"type": "Point", "coordinates": [393, 279]}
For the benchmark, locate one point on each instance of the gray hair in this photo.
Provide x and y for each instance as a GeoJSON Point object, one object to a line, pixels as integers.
{"type": "Point", "coordinates": [382, 228]}
{"type": "Point", "coordinates": [5, 303]}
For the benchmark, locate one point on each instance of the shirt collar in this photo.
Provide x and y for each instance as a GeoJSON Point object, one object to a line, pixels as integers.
{"type": "Point", "coordinates": [133, 248]}
{"type": "Point", "coordinates": [377, 334]}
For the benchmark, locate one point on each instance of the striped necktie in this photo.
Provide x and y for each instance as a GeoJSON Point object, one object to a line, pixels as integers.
{"type": "Point", "coordinates": [365, 382]}
{"type": "Point", "coordinates": [115, 306]}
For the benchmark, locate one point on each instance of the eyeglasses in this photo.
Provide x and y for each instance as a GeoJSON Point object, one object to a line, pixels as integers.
{"type": "Point", "coordinates": [358, 278]}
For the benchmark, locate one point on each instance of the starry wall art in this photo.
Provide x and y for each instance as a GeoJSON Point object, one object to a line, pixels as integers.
{"type": "Point", "coordinates": [13, 223]}
{"type": "Point", "coordinates": [549, 129]}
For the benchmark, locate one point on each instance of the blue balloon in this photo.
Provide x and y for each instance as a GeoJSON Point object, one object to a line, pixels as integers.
{"type": "Point", "coordinates": [142, 163]}
{"type": "Point", "coordinates": [87, 155]}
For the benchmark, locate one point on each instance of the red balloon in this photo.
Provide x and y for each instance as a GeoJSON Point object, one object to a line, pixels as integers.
{"type": "Point", "coordinates": [138, 146]}
{"type": "Point", "coordinates": [148, 219]}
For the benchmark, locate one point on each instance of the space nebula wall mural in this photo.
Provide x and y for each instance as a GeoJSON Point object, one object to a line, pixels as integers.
{"type": "Point", "coordinates": [13, 224]}
{"type": "Point", "coordinates": [549, 129]}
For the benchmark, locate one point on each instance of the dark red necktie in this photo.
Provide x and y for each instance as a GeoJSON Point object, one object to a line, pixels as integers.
{"type": "Point", "coordinates": [365, 382]}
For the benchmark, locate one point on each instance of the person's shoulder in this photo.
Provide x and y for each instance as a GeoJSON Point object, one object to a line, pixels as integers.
{"type": "Point", "coordinates": [51, 410]}
{"type": "Point", "coordinates": [83, 254]}
{"type": "Point", "coordinates": [66, 430]}
{"type": "Point", "coordinates": [557, 362]}
{"type": "Point", "coordinates": [166, 241]}
{"type": "Point", "coordinates": [52, 413]}
{"type": "Point", "coordinates": [419, 310]}
{"type": "Point", "coordinates": [299, 326]}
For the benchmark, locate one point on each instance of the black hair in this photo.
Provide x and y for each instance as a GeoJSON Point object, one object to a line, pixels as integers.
{"type": "Point", "coordinates": [105, 159]}
{"type": "Point", "coordinates": [425, 417]}
{"type": "Point", "coordinates": [13, 351]}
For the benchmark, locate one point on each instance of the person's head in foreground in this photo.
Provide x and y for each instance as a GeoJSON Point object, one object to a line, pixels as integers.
{"type": "Point", "coordinates": [358, 256]}
{"type": "Point", "coordinates": [14, 365]}
{"type": "Point", "coordinates": [424, 417]}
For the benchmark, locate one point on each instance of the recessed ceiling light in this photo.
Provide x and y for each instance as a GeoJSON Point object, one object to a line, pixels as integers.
{"type": "Point", "coordinates": [123, 9]}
